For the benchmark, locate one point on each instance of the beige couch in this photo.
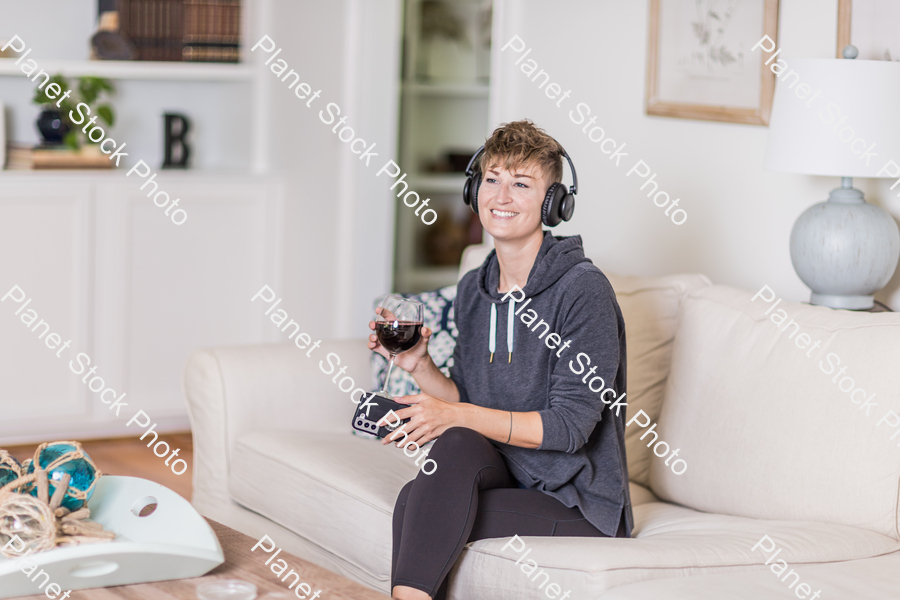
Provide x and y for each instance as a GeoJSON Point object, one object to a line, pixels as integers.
{"type": "Point", "coordinates": [773, 447]}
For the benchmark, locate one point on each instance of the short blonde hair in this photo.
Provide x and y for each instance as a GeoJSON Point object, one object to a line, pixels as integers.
{"type": "Point", "coordinates": [521, 143]}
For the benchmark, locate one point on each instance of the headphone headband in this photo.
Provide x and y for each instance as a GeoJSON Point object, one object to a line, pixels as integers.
{"type": "Point", "coordinates": [573, 189]}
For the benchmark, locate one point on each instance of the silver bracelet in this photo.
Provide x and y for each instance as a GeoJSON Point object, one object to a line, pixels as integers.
{"type": "Point", "coordinates": [510, 428]}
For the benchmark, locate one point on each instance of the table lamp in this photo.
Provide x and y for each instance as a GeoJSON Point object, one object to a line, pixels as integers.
{"type": "Point", "coordinates": [844, 123]}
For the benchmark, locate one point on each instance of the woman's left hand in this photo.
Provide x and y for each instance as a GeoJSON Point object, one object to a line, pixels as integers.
{"type": "Point", "coordinates": [429, 418]}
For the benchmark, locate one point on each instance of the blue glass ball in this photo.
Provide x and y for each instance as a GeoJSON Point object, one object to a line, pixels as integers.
{"type": "Point", "coordinates": [81, 472]}
{"type": "Point", "coordinates": [8, 474]}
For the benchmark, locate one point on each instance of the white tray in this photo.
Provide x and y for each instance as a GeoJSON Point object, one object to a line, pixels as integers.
{"type": "Point", "coordinates": [174, 542]}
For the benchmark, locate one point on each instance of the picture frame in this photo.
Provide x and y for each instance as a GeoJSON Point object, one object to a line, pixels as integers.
{"type": "Point", "coordinates": [2, 136]}
{"type": "Point", "coordinates": [871, 26]}
{"type": "Point", "coordinates": [700, 62]}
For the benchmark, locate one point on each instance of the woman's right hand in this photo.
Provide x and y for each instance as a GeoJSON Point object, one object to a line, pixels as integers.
{"type": "Point", "coordinates": [409, 360]}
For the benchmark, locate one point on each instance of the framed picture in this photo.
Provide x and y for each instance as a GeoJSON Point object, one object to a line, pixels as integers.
{"type": "Point", "coordinates": [700, 64]}
{"type": "Point", "coordinates": [873, 26]}
{"type": "Point", "coordinates": [2, 137]}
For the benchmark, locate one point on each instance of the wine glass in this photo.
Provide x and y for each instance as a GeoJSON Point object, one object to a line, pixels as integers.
{"type": "Point", "coordinates": [398, 325]}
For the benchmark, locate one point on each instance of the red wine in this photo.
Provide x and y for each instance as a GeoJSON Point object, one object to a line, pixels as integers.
{"type": "Point", "coordinates": [398, 336]}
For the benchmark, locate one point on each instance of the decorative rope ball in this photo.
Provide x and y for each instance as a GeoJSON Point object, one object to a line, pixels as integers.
{"type": "Point", "coordinates": [59, 458]}
{"type": "Point", "coordinates": [28, 518]}
{"type": "Point", "coordinates": [10, 469]}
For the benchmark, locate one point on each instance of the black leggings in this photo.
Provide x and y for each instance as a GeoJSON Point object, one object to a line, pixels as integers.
{"type": "Point", "coordinates": [471, 496]}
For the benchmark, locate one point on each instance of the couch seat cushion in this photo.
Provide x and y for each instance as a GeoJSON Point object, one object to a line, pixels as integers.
{"type": "Point", "coordinates": [335, 490]}
{"type": "Point", "coordinates": [872, 578]}
{"type": "Point", "coordinates": [671, 541]}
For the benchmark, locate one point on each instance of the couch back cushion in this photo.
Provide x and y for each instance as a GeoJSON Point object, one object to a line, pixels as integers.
{"type": "Point", "coordinates": [650, 307]}
{"type": "Point", "coordinates": [771, 430]}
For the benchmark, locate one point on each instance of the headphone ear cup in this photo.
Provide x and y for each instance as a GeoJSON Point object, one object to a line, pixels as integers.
{"type": "Point", "coordinates": [470, 191]}
{"type": "Point", "coordinates": [466, 188]}
{"type": "Point", "coordinates": [550, 215]}
{"type": "Point", "coordinates": [567, 207]}
{"type": "Point", "coordinates": [473, 184]}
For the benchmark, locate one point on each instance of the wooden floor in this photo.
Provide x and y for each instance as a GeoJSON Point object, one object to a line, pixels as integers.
{"type": "Point", "coordinates": [130, 456]}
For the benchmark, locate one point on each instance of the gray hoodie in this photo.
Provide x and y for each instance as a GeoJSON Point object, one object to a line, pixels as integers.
{"type": "Point", "coordinates": [581, 460]}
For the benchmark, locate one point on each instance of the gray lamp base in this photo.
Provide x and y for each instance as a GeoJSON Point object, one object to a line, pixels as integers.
{"type": "Point", "coordinates": [845, 302]}
{"type": "Point", "coordinates": [845, 249]}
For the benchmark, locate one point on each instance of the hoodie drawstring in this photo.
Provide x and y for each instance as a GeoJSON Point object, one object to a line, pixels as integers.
{"type": "Point", "coordinates": [510, 322]}
{"type": "Point", "coordinates": [492, 342]}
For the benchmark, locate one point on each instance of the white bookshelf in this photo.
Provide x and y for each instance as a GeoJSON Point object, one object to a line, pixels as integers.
{"type": "Point", "coordinates": [447, 90]}
{"type": "Point", "coordinates": [225, 102]}
{"type": "Point", "coordinates": [437, 115]}
{"type": "Point", "coordinates": [137, 70]}
{"type": "Point", "coordinates": [449, 183]}
{"type": "Point", "coordinates": [433, 278]}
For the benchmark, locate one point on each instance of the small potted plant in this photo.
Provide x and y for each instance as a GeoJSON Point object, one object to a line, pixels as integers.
{"type": "Point", "coordinates": [54, 123]}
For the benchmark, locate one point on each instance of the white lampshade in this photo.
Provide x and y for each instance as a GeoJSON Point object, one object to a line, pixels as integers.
{"type": "Point", "coordinates": [802, 134]}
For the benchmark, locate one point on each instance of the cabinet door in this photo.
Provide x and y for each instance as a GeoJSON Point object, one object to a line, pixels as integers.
{"type": "Point", "coordinates": [164, 290]}
{"type": "Point", "coordinates": [45, 249]}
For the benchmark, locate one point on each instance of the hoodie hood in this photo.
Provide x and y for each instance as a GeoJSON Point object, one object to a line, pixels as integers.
{"type": "Point", "coordinates": [555, 258]}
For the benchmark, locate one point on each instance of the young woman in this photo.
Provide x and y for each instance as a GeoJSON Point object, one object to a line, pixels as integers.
{"type": "Point", "coordinates": [524, 445]}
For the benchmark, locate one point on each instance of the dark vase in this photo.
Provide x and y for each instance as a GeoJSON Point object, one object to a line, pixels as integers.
{"type": "Point", "coordinates": [52, 126]}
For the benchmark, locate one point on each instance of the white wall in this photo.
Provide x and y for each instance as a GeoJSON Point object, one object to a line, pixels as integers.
{"type": "Point", "coordinates": [739, 215]}
{"type": "Point", "coordinates": [338, 217]}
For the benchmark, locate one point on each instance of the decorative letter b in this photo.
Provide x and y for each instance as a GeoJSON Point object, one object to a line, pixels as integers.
{"type": "Point", "coordinates": [175, 141]}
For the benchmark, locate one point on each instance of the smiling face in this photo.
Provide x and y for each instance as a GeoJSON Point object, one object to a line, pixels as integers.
{"type": "Point", "coordinates": [509, 202]}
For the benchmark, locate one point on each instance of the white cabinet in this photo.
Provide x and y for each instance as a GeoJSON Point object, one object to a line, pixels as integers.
{"type": "Point", "coordinates": [131, 290]}
{"type": "Point", "coordinates": [46, 244]}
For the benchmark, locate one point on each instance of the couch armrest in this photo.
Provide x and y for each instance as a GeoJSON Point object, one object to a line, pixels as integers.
{"type": "Point", "coordinates": [234, 389]}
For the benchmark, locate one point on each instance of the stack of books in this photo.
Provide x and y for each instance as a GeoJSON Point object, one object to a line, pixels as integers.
{"type": "Point", "coordinates": [212, 30]}
{"type": "Point", "coordinates": [18, 157]}
{"type": "Point", "coordinates": [155, 27]}
{"type": "Point", "coordinates": [21, 157]}
{"type": "Point", "coordinates": [183, 30]}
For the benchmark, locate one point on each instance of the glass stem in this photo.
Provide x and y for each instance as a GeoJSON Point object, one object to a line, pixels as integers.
{"type": "Point", "coordinates": [387, 377]}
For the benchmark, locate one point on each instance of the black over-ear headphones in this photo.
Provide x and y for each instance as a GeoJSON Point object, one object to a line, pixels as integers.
{"type": "Point", "coordinates": [558, 206]}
